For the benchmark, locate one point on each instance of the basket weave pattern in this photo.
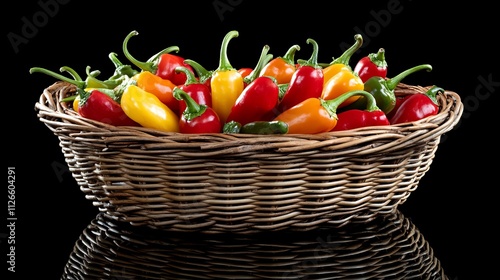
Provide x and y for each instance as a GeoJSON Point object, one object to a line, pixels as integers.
{"type": "Point", "coordinates": [245, 183]}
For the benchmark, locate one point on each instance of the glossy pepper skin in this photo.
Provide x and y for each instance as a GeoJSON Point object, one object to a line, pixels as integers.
{"type": "Point", "coordinates": [146, 109]}
{"type": "Point", "coordinates": [96, 105]}
{"type": "Point", "coordinates": [231, 127]}
{"type": "Point", "coordinates": [417, 106]}
{"type": "Point", "coordinates": [374, 64]}
{"type": "Point", "coordinates": [226, 83]}
{"type": "Point", "coordinates": [197, 118]}
{"type": "Point", "coordinates": [282, 68]}
{"type": "Point", "coordinates": [355, 118]}
{"type": "Point", "coordinates": [245, 71]}
{"type": "Point", "coordinates": [258, 98]}
{"type": "Point", "coordinates": [315, 115]}
{"type": "Point", "coordinates": [306, 82]}
{"type": "Point", "coordinates": [162, 88]}
{"type": "Point", "coordinates": [345, 80]}
{"type": "Point", "coordinates": [265, 127]}
{"type": "Point", "coordinates": [197, 90]}
{"type": "Point", "coordinates": [383, 89]}
{"type": "Point", "coordinates": [162, 64]}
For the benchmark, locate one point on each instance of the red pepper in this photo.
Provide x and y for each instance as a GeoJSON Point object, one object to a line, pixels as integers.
{"type": "Point", "coordinates": [417, 106]}
{"type": "Point", "coordinates": [197, 118]}
{"type": "Point", "coordinates": [399, 100]}
{"type": "Point", "coordinates": [356, 118]}
{"type": "Point", "coordinates": [99, 106]}
{"type": "Point", "coordinates": [374, 64]}
{"type": "Point", "coordinates": [245, 71]}
{"type": "Point", "coordinates": [306, 82]}
{"type": "Point", "coordinates": [260, 96]}
{"type": "Point", "coordinates": [162, 64]}
{"type": "Point", "coordinates": [198, 90]}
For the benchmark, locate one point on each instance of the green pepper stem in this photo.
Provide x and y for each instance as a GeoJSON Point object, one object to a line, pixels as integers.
{"type": "Point", "coordinates": [332, 105]}
{"type": "Point", "coordinates": [116, 62]}
{"type": "Point", "coordinates": [393, 82]}
{"type": "Point", "coordinates": [152, 64]}
{"type": "Point", "coordinates": [263, 60]}
{"type": "Point", "coordinates": [378, 58]}
{"type": "Point", "coordinates": [346, 56]}
{"type": "Point", "coordinates": [77, 83]}
{"type": "Point", "coordinates": [193, 109]}
{"type": "Point", "coordinates": [120, 68]}
{"type": "Point", "coordinates": [202, 72]}
{"type": "Point", "coordinates": [432, 92]}
{"type": "Point", "coordinates": [190, 78]}
{"type": "Point", "coordinates": [224, 64]}
{"type": "Point", "coordinates": [313, 60]}
{"type": "Point", "coordinates": [72, 72]}
{"type": "Point", "coordinates": [289, 56]}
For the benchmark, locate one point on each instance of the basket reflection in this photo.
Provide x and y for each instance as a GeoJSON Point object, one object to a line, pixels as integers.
{"type": "Point", "coordinates": [388, 247]}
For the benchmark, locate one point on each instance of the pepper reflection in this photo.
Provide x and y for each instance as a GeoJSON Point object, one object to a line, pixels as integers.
{"type": "Point", "coordinates": [388, 247]}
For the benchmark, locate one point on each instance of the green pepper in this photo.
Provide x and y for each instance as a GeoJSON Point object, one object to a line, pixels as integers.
{"type": "Point", "coordinates": [383, 90]}
{"type": "Point", "coordinates": [91, 82]}
{"type": "Point", "coordinates": [231, 127]}
{"type": "Point", "coordinates": [265, 127]}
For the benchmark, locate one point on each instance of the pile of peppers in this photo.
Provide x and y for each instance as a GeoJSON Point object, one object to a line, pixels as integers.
{"type": "Point", "coordinates": [278, 95]}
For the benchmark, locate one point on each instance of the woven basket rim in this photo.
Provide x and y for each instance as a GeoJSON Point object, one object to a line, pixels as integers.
{"type": "Point", "coordinates": [448, 101]}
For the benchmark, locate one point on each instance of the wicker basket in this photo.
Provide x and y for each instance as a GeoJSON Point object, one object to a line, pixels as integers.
{"type": "Point", "coordinates": [245, 183]}
{"type": "Point", "coordinates": [389, 247]}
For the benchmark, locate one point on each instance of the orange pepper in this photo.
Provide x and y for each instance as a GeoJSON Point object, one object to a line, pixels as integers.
{"type": "Point", "coordinates": [342, 82]}
{"type": "Point", "coordinates": [316, 115]}
{"type": "Point", "coordinates": [282, 68]}
{"type": "Point", "coordinates": [162, 88]}
{"type": "Point", "coordinates": [307, 117]}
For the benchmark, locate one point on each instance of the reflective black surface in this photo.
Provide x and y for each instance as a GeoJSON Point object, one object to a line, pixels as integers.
{"type": "Point", "coordinates": [389, 247]}
{"type": "Point", "coordinates": [452, 214]}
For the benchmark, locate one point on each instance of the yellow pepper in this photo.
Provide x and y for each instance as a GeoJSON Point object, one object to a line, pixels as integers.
{"type": "Point", "coordinates": [147, 110]}
{"type": "Point", "coordinates": [226, 83]}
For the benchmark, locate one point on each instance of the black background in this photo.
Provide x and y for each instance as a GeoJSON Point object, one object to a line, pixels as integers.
{"type": "Point", "coordinates": [455, 204]}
